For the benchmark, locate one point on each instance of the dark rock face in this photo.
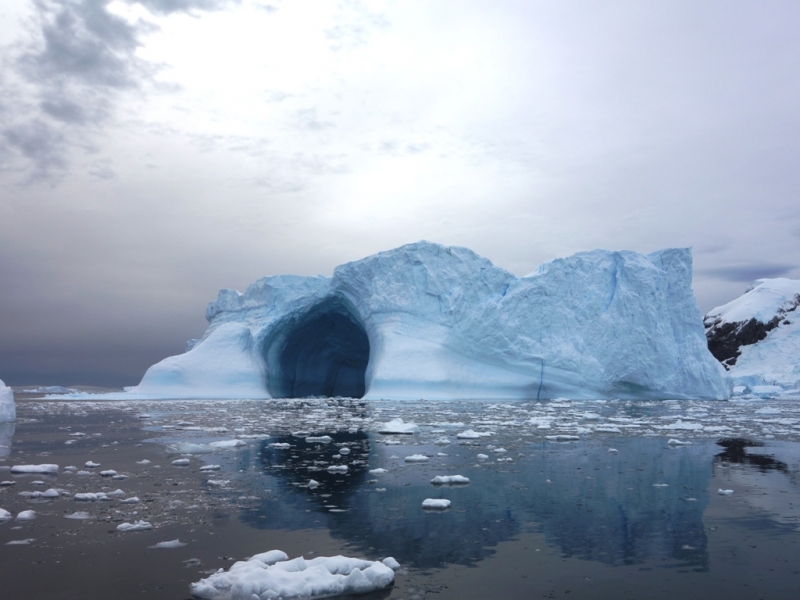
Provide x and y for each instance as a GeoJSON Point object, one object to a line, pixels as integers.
{"type": "Point", "coordinates": [725, 338]}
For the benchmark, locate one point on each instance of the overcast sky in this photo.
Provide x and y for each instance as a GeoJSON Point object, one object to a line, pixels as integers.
{"type": "Point", "coordinates": [153, 152]}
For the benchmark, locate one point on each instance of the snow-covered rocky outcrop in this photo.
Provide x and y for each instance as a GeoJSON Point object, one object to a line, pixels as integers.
{"type": "Point", "coordinates": [425, 320]}
{"type": "Point", "coordinates": [757, 335]}
{"type": "Point", "coordinates": [8, 410]}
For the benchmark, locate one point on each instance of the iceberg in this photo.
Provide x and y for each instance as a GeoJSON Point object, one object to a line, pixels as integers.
{"type": "Point", "coordinates": [757, 337]}
{"type": "Point", "coordinates": [8, 410]}
{"type": "Point", "coordinates": [436, 322]}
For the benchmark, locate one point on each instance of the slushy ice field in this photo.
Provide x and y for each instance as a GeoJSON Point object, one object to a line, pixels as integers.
{"type": "Point", "coordinates": [558, 499]}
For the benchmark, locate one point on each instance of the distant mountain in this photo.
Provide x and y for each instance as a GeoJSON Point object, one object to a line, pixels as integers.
{"type": "Point", "coordinates": [757, 335]}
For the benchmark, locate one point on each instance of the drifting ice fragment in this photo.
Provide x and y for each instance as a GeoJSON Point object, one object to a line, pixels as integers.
{"type": "Point", "coordinates": [722, 492]}
{"type": "Point", "coordinates": [272, 575]}
{"type": "Point", "coordinates": [416, 458]}
{"type": "Point", "coordinates": [435, 503]}
{"type": "Point", "coordinates": [449, 479]}
{"type": "Point", "coordinates": [398, 426]}
{"type": "Point", "coordinates": [47, 469]}
{"type": "Point", "coordinates": [135, 526]}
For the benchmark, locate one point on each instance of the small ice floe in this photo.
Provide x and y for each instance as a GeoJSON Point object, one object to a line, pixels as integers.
{"type": "Point", "coordinates": [613, 451]}
{"type": "Point", "coordinates": [442, 454]}
{"type": "Point", "coordinates": [143, 462]}
{"type": "Point", "coordinates": [79, 515]}
{"type": "Point", "coordinates": [4, 514]}
{"type": "Point", "coordinates": [416, 458]}
{"type": "Point", "coordinates": [135, 526]}
{"type": "Point", "coordinates": [169, 544]}
{"type": "Point", "coordinates": [392, 443]}
{"type": "Point", "coordinates": [144, 416]}
{"type": "Point", "coordinates": [7, 483]}
{"type": "Point", "coordinates": [768, 410]}
{"type": "Point", "coordinates": [179, 462]}
{"type": "Point", "coordinates": [227, 444]}
{"type": "Point", "coordinates": [390, 562]}
{"type": "Point", "coordinates": [607, 429]}
{"type": "Point", "coordinates": [91, 464]}
{"type": "Point", "coordinates": [499, 450]}
{"type": "Point", "coordinates": [380, 490]}
{"type": "Point", "coordinates": [344, 451]}
{"type": "Point", "coordinates": [722, 492]}
{"type": "Point", "coordinates": [272, 575]}
{"type": "Point", "coordinates": [482, 456]}
{"type": "Point", "coordinates": [94, 496]}
{"type": "Point", "coordinates": [20, 542]}
{"type": "Point", "coordinates": [218, 482]}
{"type": "Point", "coordinates": [108, 473]}
{"type": "Point", "coordinates": [280, 446]}
{"type": "Point", "coordinates": [435, 504]}
{"type": "Point", "coordinates": [660, 485]}
{"type": "Point", "coordinates": [681, 425]}
{"type": "Point", "coordinates": [471, 434]}
{"type": "Point", "coordinates": [450, 479]}
{"type": "Point", "coordinates": [131, 500]}
{"type": "Point", "coordinates": [337, 469]}
{"type": "Point", "coordinates": [377, 471]}
{"type": "Point", "coordinates": [84, 473]}
{"type": "Point", "coordinates": [398, 426]}
{"type": "Point", "coordinates": [188, 448]}
{"type": "Point", "coordinates": [119, 477]}
{"type": "Point", "coordinates": [50, 493]}
{"type": "Point", "coordinates": [26, 515]}
{"type": "Point", "coordinates": [210, 468]}
{"type": "Point", "coordinates": [674, 442]}
{"type": "Point", "coordinates": [46, 469]}
{"type": "Point", "coordinates": [320, 439]}
{"type": "Point", "coordinates": [562, 438]}
{"type": "Point", "coordinates": [313, 484]}
{"type": "Point", "coordinates": [442, 441]}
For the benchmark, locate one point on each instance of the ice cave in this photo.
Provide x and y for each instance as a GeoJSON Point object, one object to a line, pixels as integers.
{"type": "Point", "coordinates": [323, 352]}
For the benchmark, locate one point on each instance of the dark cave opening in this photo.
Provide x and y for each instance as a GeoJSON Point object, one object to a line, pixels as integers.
{"type": "Point", "coordinates": [324, 353]}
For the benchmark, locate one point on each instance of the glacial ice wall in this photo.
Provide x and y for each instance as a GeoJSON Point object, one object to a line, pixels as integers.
{"type": "Point", "coordinates": [8, 410]}
{"type": "Point", "coordinates": [425, 320]}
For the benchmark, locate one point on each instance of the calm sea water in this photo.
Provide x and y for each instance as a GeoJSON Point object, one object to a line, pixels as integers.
{"type": "Point", "coordinates": [629, 509]}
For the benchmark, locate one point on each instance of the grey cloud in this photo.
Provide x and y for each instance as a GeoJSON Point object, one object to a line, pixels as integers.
{"type": "Point", "coordinates": [748, 273]}
{"type": "Point", "coordinates": [42, 144]}
{"type": "Point", "coordinates": [172, 6]}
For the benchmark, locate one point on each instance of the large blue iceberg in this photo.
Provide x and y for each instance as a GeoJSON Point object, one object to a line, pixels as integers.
{"type": "Point", "coordinates": [429, 321]}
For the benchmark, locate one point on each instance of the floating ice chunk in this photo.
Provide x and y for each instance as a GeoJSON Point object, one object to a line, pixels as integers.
{"type": "Point", "coordinates": [280, 446]}
{"type": "Point", "coordinates": [226, 444]}
{"type": "Point", "coordinates": [416, 458]}
{"type": "Point", "coordinates": [218, 482]}
{"type": "Point", "coordinates": [50, 493]}
{"type": "Point", "coordinates": [435, 503]}
{"type": "Point", "coordinates": [47, 469]}
{"type": "Point", "coordinates": [7, 483]}
{"type": "Point", "coordinates": [79, 515]}
{"type": "Point", "coordinates": [471, 434]}
{"type": "Point", "coordinates": [613, 451]}
{"type": "Point", "coordinates": [768, 410]}
{"type": "Point", "coordinates": [180, 462]}
{"type": "Point", "coordinates": [299, 578]}
{"type": "Point", "coordinates": [26, 515]}
{"type": "Point", "coordinates": [674, 442]}
{"type": "Point", "coordinates": [313, 484]}
{"type": "Point", "coordinates": [8, 411]}
{"type": "Point", "coordinates": [115, 494]}
{"type": "Point", "coordinates": [135, 526]}
{"type": "Point", "coordinates": [449, 479]}
{"type": "Point", "coordinates": [442, 441]}
{"type": "Point", "coordinates": [187, 448]}
{"type": "Point", "coordinates": [377, 471]}
{"type": "Point", "coordinates": [4, 514]}
{"type": "Point", "coordinates": [390, 562]}
{"type": "Point", "coordinates": [607, 429]}
{"type": "Point", "coordinates": [108, 473]}
{"type": "Point", "coordinates": [499, 450]}
{"type": "Point", "coordinates": [660, 485]}
{"type": "Point", "coordinates": [337, 469]}
{"type": "Point", "coordinates": [91, 497]}
{"type": "Point", "coordinates": [210, 468]}
{"type": "Point", "coordinates": [131, 500]}
{"type": "Point", "coordinates": [482, 456]}
{"type": "Point", "coordinates": [169, 544]}
{"type": "Point", "coordinates": [320, 439]}
{"type": "Point", "coordinates": [344, 451]}
{"type": "Point", "coordinates": [91, 464]}
{"type": "Point", "coordinates": [562, 438]}
{"type": "Point", "coordinates": [20, 542]}
{"type": "Point", "coordinates": [722, 492]}
{"type": "Point", "coordinates": [392, 443]}
{"type": "Point", "coordinates": [398, 426]}
{"type": "Point", "coordinates": [143, 462]}
{"type": "Point", "coordinates": [84, 473]}
{"type": "Point", "coordinates": [681, 425]}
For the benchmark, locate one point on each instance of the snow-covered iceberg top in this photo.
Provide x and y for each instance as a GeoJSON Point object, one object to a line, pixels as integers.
{"type": "Point", "coordinates": [272, 575]}
{"type": "Point", "coordinates": [757, 336]}
{"type": "Point", "coordinates": [429, 321]}
{"type": "Point", "coordinates": [8, 410]}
